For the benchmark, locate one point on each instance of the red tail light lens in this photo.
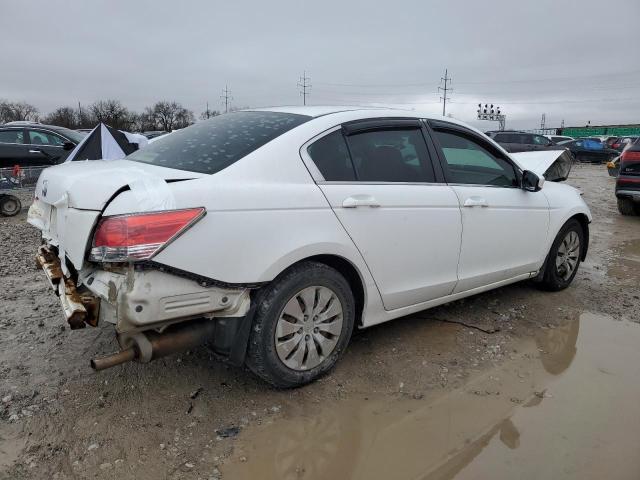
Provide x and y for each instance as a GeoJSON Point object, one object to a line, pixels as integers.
{"type": "Point", "coordinates": [630, 156]}
{"type": "Point", "coordinates": [128, 238]}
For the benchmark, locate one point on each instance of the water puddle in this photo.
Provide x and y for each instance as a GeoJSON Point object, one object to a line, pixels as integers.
{"type": "Point", "coordinates": [565, 406]}
{"type": "Point", "coordinates": [626, 264]}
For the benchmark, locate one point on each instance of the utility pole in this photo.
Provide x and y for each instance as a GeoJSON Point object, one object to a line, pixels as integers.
{"type": "Point", "coordinates": [303, 83]}
{"type": "Point", "coordinates": [447, 80]}
{"type": "Point", "coordinates": [226, 96]}
{"type": "Point", "coordinates": [543, 121]}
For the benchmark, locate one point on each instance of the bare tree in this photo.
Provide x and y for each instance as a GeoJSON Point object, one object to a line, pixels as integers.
{"type": "Point", "coordinates": [111, 112]}
{"type": "Point", "coordinates": [172, 115]}
{"type": "Point", "coordinates": [207, 114]}
{"type": "Point", "coordinates": [64, 117]}
{"type": "Point", "coordinates": [17, 111]}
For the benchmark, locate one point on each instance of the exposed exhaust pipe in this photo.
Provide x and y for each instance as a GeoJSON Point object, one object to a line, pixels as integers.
{"type": "Point", "coordinates": [151, 345]}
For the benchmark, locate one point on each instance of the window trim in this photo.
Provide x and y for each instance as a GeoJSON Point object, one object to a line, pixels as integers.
{"type": "Point", "coordinates": [370, 125]}
{"type": "Point", "coordinates": [439, 125]}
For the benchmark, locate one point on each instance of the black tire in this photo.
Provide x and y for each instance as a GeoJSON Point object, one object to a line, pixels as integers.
{"type": "Point", "coordinates": [628, 207]}
{"type": "Point", "coordinates": [552, 280]}
{"type": "Point", "coordinates": [262, 357]}
{"type": "Point", "coordinates": [10, 206]}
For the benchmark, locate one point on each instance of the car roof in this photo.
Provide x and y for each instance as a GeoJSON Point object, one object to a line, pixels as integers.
{"type": "Point", "coordinates": [32, 125]}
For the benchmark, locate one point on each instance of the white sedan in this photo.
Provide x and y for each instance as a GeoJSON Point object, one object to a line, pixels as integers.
{"type": "Point", "coordinates": [273, 233]}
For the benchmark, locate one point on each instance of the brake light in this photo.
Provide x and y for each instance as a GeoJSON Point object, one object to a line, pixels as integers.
{"type": "Point", "coordinates": [630, 156]}
{"type": "Point", "coordinates": [128, 238]}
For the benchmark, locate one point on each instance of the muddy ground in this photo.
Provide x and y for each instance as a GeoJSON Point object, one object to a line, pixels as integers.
{"type": "Point", "coordinates": [514, 382]}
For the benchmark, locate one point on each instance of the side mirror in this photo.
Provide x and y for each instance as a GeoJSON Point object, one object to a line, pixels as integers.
{"type": "Point", "coordinates": [531, 182]}
{"type": "Point", "coordinates": [68, 146]}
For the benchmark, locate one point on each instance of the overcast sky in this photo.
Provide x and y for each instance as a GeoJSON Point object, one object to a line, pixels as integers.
{"type": "Point", "coordinates": [573, 60]}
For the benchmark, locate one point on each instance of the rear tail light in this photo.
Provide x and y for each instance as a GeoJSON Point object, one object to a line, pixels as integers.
{"type": "Point", "coordinates": [630, 156]}
{"type": "Point", "coordinates": [129, 238]}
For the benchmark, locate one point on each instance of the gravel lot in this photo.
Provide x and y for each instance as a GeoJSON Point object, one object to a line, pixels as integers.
{"type": "Point", "coordinates": [185, 416]}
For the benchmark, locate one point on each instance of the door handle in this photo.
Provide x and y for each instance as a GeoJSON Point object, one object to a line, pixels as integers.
{"type": "Point", "coordinates": [360, 201]}
{"type": "Point", "coordinates": [475, 202]}
{"type": "Point", "coordinates": [36, 151]}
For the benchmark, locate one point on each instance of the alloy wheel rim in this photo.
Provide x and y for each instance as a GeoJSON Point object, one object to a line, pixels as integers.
{"type": "Point", "coordinates": [568, 255]}
{"type": "Point", "coordinates": [308, 328]}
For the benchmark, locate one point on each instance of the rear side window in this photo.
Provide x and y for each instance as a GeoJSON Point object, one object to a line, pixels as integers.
{"type": "Point", "coordinates": [395, 155]}
{"type": "Point", "coordinates": [212, 145]}
{"type": "Point", "coordinates": [331, 156]}
{"type": "Point", "coordinates": [11, 136]}
{"type": "Point", "coordinates": [468, 162]}
{"type": "Point", "coordinates": [44, 138]}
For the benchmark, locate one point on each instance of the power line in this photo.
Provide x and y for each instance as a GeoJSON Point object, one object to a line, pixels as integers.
{"type": "Point", "coordinates": [226, 96]}
{"type": "Point", "coordinates": [303, 83]}
{"type": "Point", "coordinates": [482, 82]}
{"type": "Point", "coordinates": [446, 79]}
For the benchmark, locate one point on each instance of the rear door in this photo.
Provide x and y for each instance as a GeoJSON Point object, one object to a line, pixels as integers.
{"type": "Point", "coordinates": [12, 147]}
{"type": "Point", "coordinates": [379, 178]}
{"type": "Point", "coordinates": [45, 147]}
{"type": "Point", "coordinates": [504, 226]}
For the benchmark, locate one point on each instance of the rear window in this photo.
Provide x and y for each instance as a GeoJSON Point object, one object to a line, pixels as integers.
{"type": "Point", "coordinates": [212, 145]}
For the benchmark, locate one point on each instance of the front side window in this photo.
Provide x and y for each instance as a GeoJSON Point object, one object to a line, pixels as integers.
{"type": "Point", "coordinates": [540, 140]}
{"type": "Point", "coordinates": [212, 145]}
{"type": "Point", "coordinates": [468, 162]}
{"type": "Point", "coordinates": [11, 136]}
{"type": "Point", "coordinates": [331, 156]}
{"type": "Point", "coordinates": [44, 138]}
{"type": "Point", "coordinates": [395, 155]}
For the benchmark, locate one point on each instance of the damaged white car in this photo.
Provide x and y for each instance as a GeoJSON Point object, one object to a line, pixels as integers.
{"type": "Point", "coordinates": [272, 234]}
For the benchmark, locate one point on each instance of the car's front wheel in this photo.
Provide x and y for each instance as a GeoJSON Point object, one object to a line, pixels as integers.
{"type": "Point", "coordinates": [564, 258]}
{"type": "Point", "coordinates": [302, 325]}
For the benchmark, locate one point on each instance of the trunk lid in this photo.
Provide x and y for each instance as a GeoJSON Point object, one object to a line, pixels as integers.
{"type": "Point", "coordinates": [90, 185]}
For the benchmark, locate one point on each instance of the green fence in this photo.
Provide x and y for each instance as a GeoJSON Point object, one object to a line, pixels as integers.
{"type": "Point", "coordinates": [594, 131]}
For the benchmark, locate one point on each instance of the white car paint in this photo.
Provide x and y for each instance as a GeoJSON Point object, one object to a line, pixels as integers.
{"type": "Point", "coordinates": [425, 245]}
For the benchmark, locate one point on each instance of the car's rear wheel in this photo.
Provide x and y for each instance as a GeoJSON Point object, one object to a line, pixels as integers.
{"type": "Point", "coordinates": [626, 206]}
{"type": "Point", "coordinates": [564, 257]}
{"type": "Point", "coordinates": [302, 325]}
{"type": "Point", "coordinates": [9, 205]}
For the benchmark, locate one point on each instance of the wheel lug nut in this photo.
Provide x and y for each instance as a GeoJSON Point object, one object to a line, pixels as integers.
{"type": "Point", "coordinates": [316, 330]}
{"type": "Point", "coordinates": [307, 336]}
{"type": "Point", "coordinates": [300, 330]}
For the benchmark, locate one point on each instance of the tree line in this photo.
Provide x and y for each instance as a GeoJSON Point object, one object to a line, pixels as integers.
{"type": "Point", "coordinates": [164, 115]}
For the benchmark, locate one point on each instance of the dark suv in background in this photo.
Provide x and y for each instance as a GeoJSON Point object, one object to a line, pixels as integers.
{"type": "Point", "coordinates": [31, 144]}
{"type": "Point", "coordinates": [514, 141]}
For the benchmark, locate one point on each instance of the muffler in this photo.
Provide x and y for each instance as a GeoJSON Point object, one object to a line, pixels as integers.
{"type": "Point", "coordinates": [144, 347]}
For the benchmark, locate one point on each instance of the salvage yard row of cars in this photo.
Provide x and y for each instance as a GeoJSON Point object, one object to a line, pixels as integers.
{"type": "Point", "coordinates": [274, 233]}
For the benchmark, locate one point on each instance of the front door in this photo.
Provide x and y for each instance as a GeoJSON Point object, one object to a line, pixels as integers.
{"type": "Point", "coordinates": [504, 227]}
{"type": "Point", "coordinates": [381, 185]}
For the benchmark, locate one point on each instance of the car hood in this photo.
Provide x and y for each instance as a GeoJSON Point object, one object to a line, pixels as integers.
{"type": "Point", "coordinates": [553, 165]}
{"type": "Point", "coordinates": [90, 185]}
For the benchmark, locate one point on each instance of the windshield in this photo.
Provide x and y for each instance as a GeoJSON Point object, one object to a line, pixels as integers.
{"type": "Point", "coordinates": [212, 145]}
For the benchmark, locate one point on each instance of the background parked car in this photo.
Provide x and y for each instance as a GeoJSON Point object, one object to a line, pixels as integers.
{"type": "Point", "coordinates": [31, 144]}
{"type": "Point", "coordinates": [622, 142]}
{"type": "Point", "coordinates": [589, 150]}
{"type": "Point", "coordinates": [154, 134]}
{"type": "Point", "coordinates": [559, 138]}
{"type": "Point", "coordinates": [513, 141]}
{"type": "Point", "coordinates": [628, 182]}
